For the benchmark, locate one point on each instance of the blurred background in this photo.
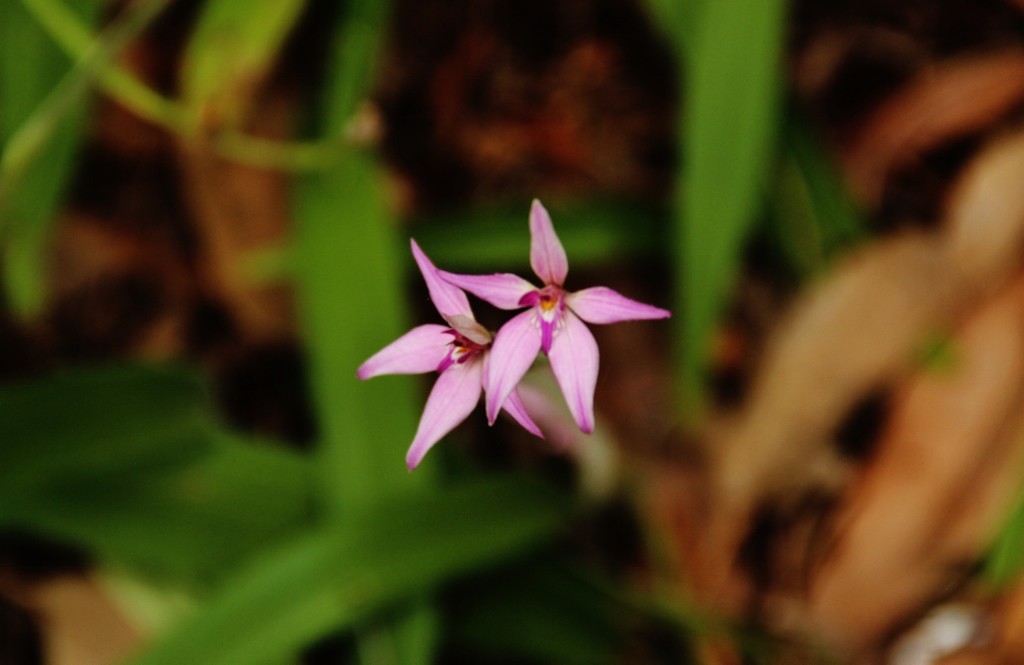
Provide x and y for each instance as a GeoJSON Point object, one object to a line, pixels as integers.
{"type": "Point", "coordinates": [205, 211]}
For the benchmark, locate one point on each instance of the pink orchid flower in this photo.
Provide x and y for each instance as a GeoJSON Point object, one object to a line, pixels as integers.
{"type": "Point", "coordinates": [553, 324]}
{"type": "Point", "coordinates": [458, 352]}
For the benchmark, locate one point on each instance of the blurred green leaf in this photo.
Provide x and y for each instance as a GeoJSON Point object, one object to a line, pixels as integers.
{"type": "Point", "coordinates": [593, 232]}
{"type": "Point", "coordinates": [331, 579]}
{"type": "Point", "coordinates": [540, 611]}
{"type": "Point", "coordinates": [233, 46]}
{"type": "Point", "coordinates": [727, 130]}
{"type": "Point", "coordinates": [98, 423]}
{"type": "Point", "coordinates": [1005, 562]}
{"type": "Point", "coordinates": [351, 290]}
{"type": "Point", "coordinates": [31, 186]}
{"type": "Point", "coordinates": [189, 525]}
{"type": "Point", "coordinates": [813, 217]}
{"type": "Point", "coordinates": [126, 462]}
{"type": "Point", "coordinates": [41, 129]}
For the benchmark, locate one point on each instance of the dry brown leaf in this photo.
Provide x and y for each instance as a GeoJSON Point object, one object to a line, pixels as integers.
{"type": "Point", "coordinates": [947, 467]}
{"type": "Point", "coordinates": [954, 99]}
{"type": "Point", "coordinates": [240, 209]}
{"type": "Point", "coordinates": [81, 625]}
{"type": "Point", "coordinates": [985, 215]}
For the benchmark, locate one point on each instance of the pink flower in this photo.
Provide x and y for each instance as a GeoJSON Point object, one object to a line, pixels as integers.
{"type": "Point", "coordinates": [552, 324]}
{"type": "Point", "coordinates": [458, 352]}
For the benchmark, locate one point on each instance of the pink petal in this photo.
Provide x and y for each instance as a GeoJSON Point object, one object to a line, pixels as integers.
{"type": "Point", "coordinates": [547, 256]}
{"type": "Point", "coordinates": [514, 407]}
{"type": "Point", "coordinates": [514, 350]}
{"type": "Point", "coordinates": [452, 399]}
{"type": "Point", "coordinates": [417, 351]}
{"type": "Point", "coordinates": [469, 328]}
{"type": "Point", "coordinates": [561, 430]}
{"type": "Point", "coordinates": [447, 298]}
{"type": "Point", "coordinates": [603, 305]}
{"type": "Point", "coordinates": [503, 290]}
{"type": "Point", "coordinates": [574, 360]}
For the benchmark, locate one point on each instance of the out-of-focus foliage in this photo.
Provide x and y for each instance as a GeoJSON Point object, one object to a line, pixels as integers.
{"type": "Point", "coordinates": [38, 143]}
{"type": "Point", "coordinates": [280, 548]}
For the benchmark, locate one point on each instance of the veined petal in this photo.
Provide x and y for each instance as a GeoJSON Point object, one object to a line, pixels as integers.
{"type": "Point", "coordinates": [448, 299]}
{"type": "Point", "coordinates": [603, 305]}
{"type": "Point", "coordinates": [514, 350]}
{"type": "Point", "coordinates": [417, 351]}
{"type": "Point", "coordinates": [503, 290]}
{"type": "Point", "coordinates": [574, 360]}
{"type": "Point", "coordinates": [514, 407]}
{"type": "Point", "coordinates": [452, 399]}
{"type": "Point", "coordinates": [547, 256]}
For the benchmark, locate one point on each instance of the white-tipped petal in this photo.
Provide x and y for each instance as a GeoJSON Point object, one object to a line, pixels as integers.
{"type": "Point", "coordinates": [503, 290]}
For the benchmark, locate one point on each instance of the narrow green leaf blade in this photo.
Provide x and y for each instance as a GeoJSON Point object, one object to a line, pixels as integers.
{"type": "Point", "coordinates": [728, 134]}
{"type": "Point", "coordinates": [31, 187]}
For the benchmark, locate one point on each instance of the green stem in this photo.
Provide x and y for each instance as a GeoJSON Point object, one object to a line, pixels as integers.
{"type": "Point", "coordinates": [31, 137]}
{"type": "Point", "coordinates": [76, 40]}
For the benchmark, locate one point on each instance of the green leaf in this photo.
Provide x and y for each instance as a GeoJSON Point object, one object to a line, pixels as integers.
{"type": "Point", "coordinates": [593, 232]}
{"type": "Point", "coordinates": [815, 214]}
{"type": "Point", "coordinates": [233, 47]}
{"type": "Point", "coordinates": [728, 131]}
{"type": "Point", "coordinates": [98, 423]}
{"type": "Point", "coordinates": [189, 525]}
{"type": "Point", "coordinates": [1005, 562]}
{"type": "Point", "coordinates": [541, 612]}
{"type": "Point", "coordinates": [127, 463]}
{"type": "Point", "coordinates": [333, 579]}
{"type": "Point", "coordinates": [35, 164]}
{"type": "Point", "coordinates": [350, 280]}
{"type": "Point", "coordinates": [41, 127]}
{"type": "Point", "coordinates": [352, 295]}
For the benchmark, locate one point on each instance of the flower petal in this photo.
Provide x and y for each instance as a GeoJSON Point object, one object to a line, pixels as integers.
{"type": "Point", "coordinates": [503, 290]}
{"type": "Point", "coordinates": [514, 407]}
{"type": "Point", "coordinates": [574, 360]}
{"type": "Point", "coordinates": [514, 350]}
{"type": "Point", "coordinates": [420, 350]}
{"type": "Point", "coordinates": [452, 399]}
{"type": "Point", "coordinates": [603, 305]}
{"type": "Point", "coordinates": [469, 328]}
{"type": "Point", "coordinates": [547, 256]}
{"type": "Point", "coordinates": [447, 298]}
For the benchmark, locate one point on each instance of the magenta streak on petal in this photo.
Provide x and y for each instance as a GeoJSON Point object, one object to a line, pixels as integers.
{"type": "Point", "coordinates": [514, 407]}
{"type": "Point", "coordinates": [514, 350]}
{"type": "Point", "coordinates": [447, 361]}
{"type": "Point", "coordinates": [574, 360]}
{"type": "Point", "coordinates": [603, 305]}
{"type": "Point", "coordinates": [547, 331]}
{"type": "Point", "coordinates": [417, 351]}
{"type": "Point", "coordinates": [503, 290]}
{"type": "Point", "coordinates": [448, 299]}
{"type": "Point", "coordinates": [547, 256]}
{"type": "Point", "coordinates": [452, 399]}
